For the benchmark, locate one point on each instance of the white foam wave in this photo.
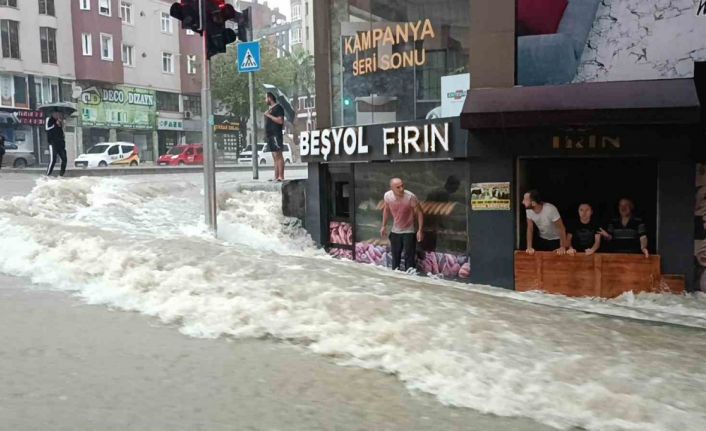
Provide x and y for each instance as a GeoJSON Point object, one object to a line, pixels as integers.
{"type": "Point", "coordinates": [469, 346]}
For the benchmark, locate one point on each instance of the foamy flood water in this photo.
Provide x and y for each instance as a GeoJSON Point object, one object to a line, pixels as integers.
{"type": "Point", "coordinates": [140, 244]}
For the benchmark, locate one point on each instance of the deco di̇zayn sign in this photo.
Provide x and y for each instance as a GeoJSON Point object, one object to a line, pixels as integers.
{"type": "Point", "coordinates": [392, 35]}
{"type": "Point", "coordinates": [428, 140]}
{"type": "Point", "coordinates": [120, 106]}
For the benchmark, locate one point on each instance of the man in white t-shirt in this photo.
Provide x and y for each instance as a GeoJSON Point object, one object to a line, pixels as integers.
{"type": "Point", "coordinates": [552, 233]}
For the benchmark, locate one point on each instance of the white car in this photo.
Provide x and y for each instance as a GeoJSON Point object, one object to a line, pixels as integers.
{"type": "Point", "coordinates": [109, 154]}
{"type": "Point", "coordinates": [264, 155]}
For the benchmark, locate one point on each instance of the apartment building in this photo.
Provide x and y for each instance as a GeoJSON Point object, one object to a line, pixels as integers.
{"type": "Point", "coordinates": [36, 67]}
{"type": "Point", "coordinates": [138, 73]}
{"type": "Point", "coordinates": [302, 26]}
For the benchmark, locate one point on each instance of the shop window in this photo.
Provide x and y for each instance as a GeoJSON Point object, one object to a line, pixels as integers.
{"type": "Point", "coordinates": [10, 38]}
{"type": "Point", "coordinates": [342, 196]}
{"type": "Point", "coordinates": [20, 90]}
{"type": "Point", "coordinates": [399, 79]}
{"type": "Point", "coordinates": [10, 3]}
{"type": "Point", "coordinates": [167, 101]}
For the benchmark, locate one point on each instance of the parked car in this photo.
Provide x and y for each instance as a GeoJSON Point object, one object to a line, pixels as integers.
{"type": "Point", "coordinates": [16, 158]}
{"type": "Point", "coordinates": [109, 154]}
{"type": "Point", "coordinates": [180, 155]}
{"type": "Point", "coordinates": [264, 155]}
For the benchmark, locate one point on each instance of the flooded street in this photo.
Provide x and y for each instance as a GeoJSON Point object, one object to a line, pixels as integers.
{"type": "Point", "coordinates": [262, 290]}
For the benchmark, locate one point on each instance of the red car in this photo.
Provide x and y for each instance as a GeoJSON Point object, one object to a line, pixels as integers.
{"type": "Point", "coordinates": [178, 155]}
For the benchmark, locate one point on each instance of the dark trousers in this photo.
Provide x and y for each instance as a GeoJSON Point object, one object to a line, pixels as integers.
{"type": "Point", "coordinates": [406, 242]}
{"type": "Point", "coordinates": [57, 150]}
{"type": "Point", "coordinates": [1, 156]}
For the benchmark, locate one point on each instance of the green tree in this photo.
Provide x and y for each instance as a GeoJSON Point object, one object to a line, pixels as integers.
{"type": "Point", "coordinates": [229, 89]}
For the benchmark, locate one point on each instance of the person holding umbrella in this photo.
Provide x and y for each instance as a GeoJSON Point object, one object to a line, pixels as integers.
{"type": "Point", "coordinates": [54, 126]}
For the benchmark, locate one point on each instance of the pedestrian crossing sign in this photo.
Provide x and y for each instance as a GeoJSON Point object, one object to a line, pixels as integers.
{"type": "Point", "coordinates": [248, 57]}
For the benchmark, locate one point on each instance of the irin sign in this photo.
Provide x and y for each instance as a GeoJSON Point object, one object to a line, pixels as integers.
{"type": "Point", "coordinates": [332, 141]}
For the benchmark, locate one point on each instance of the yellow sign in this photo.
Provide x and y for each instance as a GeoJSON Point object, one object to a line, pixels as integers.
{"type": "Point", "coordinates": [490, 197]}
{"type": "Point", "coordinates": [390, 35]}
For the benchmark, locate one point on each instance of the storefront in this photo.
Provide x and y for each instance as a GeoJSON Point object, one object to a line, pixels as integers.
{"type": "Point", "coordinates": [119, 113]}
{"type": "Point", "coordinates": [168, 131]}
{"type": "Point", "coordinates": [228, 138]}
{"type": "Point", "coordinates": [356, 165]}
{"type": "Point", "coordinates": [22, 128]}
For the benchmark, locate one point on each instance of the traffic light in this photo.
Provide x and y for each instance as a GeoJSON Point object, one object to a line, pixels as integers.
{"type": "Point", "coordinates": [187, 11]}
{"type": "Point", "coordinates": [243, 21]}
{"type": "Point", "coordinates": [216, 13]}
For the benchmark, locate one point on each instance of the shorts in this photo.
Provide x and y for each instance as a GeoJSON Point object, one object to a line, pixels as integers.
{"type": "Point", "coordinates": [275, 144]}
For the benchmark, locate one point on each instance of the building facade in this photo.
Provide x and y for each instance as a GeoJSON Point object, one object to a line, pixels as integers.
{"type": "Point", "coordinates": [483, 100]}
{"type": "Point", "coordinates": [37, 67]}
{"type": "Point", "coordinates": [302, 26]}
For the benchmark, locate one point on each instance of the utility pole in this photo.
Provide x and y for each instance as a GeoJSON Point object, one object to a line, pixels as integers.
{"type": "Point", "coordinates": [253, 119]}
{"type": "Point", "coordinates": [209, 162]}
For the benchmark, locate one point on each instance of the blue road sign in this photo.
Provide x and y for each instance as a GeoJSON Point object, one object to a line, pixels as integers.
{"type": "Point", "coordinates": [248, 57]}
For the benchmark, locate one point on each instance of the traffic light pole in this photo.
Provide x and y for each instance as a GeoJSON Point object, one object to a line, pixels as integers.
{"type": "Point", "coordinates": [253, 135]}
{"type": "Point", "coordinates": [209, 162]}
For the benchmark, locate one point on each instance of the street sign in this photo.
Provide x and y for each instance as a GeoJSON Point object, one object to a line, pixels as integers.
{"type": "Point", "coordinates": [248, 57]}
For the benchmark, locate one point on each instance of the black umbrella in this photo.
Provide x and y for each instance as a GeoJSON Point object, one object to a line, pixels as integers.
{"type": "Point", "coordinates": [66, 108]}
{"type": "Point", "coordinates": [283, 101]}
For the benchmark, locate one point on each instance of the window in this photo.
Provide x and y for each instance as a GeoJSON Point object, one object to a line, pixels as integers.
{"type": "Point", "coordinates": [104, 7]}
{"type": "Point", "coordinates": [296, 35]}
{"type": "Point", "coordinates": [20, 90]}
{"type": "Point", "coordinates": [114, 150]}
{"type": "Point", "coordinates": [167, 63]}
{"type": "Point", "coordinates": [13, 91]}
{"type": "Point", "coordinates": [192, 104]}
{"type": "Point", "coordinates": [85, 5]}
{"type": "Point", "coordinates": [167, 101]}
{"type": "Point", "coordinates": [296, 12]}
{"type": "Point", "coordinates": [87, 44]}
{"type": "Point", "coordinates": [6, 90]}
{"type": "Point", "coordinates": [166, 23]}
{"type": "Point", "coordinates": [191, 64]}
{"type": "Point", "coordinates": [10, 37]}
{"type": "Point", "coordinates": [46, 7]}
{"type": "Point", "coordinates": [106, 47]}
{"type": "Point", "coordinates": [11, 3]}
{"type": "Point", "coordinates": [47, 90]}
{"type": "Point", "coordinates": [47, 39]}
{"type": "Point", "coordinates": [127, 55]}
{"type": "Point", "coordinates": [190, 32]}
{"type": "Point", "coordinates": [126, 12]}
{"type": "Point", "coordinates": [127, 148]}
{"type": "Point", "coordinates": [307, 33]}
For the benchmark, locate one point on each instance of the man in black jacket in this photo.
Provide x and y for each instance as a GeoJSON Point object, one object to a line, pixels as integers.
{"type": "Point", "coordinates": [54, 127]}
{"type": "Point", "coordinates": [2, 148]}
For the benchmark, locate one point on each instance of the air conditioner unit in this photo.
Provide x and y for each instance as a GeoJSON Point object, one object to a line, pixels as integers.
{"type": "Point", "coordinates": [187, 114]}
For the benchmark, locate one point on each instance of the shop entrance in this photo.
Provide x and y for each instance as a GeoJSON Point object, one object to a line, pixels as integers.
{"type": "Point", "coordinates": [602, 182]}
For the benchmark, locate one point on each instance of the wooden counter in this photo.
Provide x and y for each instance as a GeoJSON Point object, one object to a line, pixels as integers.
{"type": "Point", "coordinates": [602, 274]}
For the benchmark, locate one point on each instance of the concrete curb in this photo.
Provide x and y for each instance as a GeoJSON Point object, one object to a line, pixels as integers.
{"type": "Point", "coordinates": [144, 170]}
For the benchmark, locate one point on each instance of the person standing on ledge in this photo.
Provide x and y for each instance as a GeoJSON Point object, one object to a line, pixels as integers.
{"type": "Point", "coordinates": [404, 207]}
{"type": "Point", "coordinates": [552, 233]}
{"type": "Point", "coordinates": [274, 123]}
{"type": "Point", "coordinates": [54, 127]}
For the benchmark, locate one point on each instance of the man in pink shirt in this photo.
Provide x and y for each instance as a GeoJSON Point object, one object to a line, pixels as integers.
{"type": "Point", "coordinates": [404, 207]}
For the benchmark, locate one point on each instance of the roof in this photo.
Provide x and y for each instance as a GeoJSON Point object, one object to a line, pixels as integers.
{"type": "Point", "coordinates": [669, 101]}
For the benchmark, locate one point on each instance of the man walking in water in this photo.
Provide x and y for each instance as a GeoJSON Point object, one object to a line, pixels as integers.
{"type": "Point", "coordinates": [404, 207]}
{"type": "Point", "coordinates": [54, 127]}
{"type": "Point", "coordinates": [274, 121]}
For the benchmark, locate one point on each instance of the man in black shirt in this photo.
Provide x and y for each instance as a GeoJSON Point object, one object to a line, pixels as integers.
{"type": "Point", "coordinates": [54, 127]}
{"type": "Point", "coordinates": [274, 122]}
{"type": "Point", "coordinates": [2, 148]}
{"type": "Point", "coordinates": [627, 234]}
{"type": "Point", "coordinates": [584, 235]}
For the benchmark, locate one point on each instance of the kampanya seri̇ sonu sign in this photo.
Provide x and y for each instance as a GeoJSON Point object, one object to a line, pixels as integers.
{"type": "Point", "coordinates": [351, 141]}
{"type": "Point", "coordinates": [390, 35]}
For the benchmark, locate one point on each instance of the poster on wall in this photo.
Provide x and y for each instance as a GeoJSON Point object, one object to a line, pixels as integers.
{"type": "Point", "coordinates": [453, 94]}
{"type": "Point", "coordinates": [490, 196]}
{"type": "Point", "coordinates": [560, 41]}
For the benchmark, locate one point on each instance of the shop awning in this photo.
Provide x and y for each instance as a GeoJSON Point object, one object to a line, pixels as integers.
{"type": "Point", "coordinates": [668, 101]}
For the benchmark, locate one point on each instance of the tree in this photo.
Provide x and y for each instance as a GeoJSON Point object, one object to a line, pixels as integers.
{"type": "Point", "coordinates": [229, 89]}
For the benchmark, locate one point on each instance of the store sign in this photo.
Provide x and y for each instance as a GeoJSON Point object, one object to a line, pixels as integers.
{"type": "Point", "coordinates": [25, 117]}
{"type": "Point", "coordinates": [225, 124]}
{"type": "Point", "coordinates": [392, 35]}
{"type": "Point", "coordinates": [579, 142]}
{"type": "Point", "coordinates": [119, 107]}
{"type": "Point", "coordinates": [170, 124]}
{"type": "Point", "coordinates": [381, 143]}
